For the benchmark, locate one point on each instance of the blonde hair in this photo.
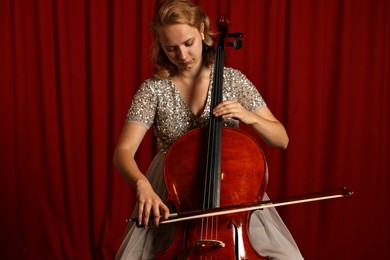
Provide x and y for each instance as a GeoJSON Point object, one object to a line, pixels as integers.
{"type": "Point", "coordinates": [179, 12]}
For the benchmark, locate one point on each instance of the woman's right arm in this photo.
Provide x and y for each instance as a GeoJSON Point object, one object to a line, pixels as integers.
{"type": "Point", "coordinates": [148, 201]}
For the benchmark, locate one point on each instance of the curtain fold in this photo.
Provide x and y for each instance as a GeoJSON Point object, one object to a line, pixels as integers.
{"type": "Point", "coordinates": [69, 69]}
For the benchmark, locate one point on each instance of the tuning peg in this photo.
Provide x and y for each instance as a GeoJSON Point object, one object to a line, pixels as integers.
{"type": "Point", "coordinates": [235, 35]}
{"type": "Point", "coordinates": [237, 44]}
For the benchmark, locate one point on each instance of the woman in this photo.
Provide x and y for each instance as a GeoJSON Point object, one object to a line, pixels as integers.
{"type": "Point", "coordinates": [176, 100]}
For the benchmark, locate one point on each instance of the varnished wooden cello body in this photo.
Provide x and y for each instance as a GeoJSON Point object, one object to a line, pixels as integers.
{"type": "Point", "coordinates": [203, 172]}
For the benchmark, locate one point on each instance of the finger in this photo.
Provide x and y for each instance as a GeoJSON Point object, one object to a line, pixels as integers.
{"type": "Point", "coordinates": [140, 212]}
{"type": "Point", "coordinates": [156, 214]}
{"type": "Point", "coordinates": [219, 106]}
{"type": "Point", "coordinates": [224, 107]}
{"type": "Point", "coordinates": [230, 115]}
{"type": "Point", "coordinates": [165, 211]}
{"type": "Point", "coordinates": [230, 103]}
{"type": "Point", "coordinates": [146, 215]}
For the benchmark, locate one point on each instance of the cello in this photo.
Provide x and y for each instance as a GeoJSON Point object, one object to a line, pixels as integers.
{"type": "Point", "coordinates": [225, 177]}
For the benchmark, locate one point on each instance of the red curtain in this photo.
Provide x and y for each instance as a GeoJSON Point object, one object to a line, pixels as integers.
{"type": "Point", "coordinates": [69, 69]}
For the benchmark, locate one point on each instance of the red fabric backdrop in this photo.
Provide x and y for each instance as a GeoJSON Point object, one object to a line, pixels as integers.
{"type": "Point", "coordinates": [69, 69]}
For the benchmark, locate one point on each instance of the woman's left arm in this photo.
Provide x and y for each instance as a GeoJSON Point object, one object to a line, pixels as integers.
{"type": "Point", "coordinates": [262, 121]}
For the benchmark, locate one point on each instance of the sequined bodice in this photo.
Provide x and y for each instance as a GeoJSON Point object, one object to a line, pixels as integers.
{"type": "Point", "coordinates": [158, 103]}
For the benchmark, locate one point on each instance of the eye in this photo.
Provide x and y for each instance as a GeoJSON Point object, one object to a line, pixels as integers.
{"type": "Point", "coordinates": [189, 43]}
{"type": "Point", "coordinates": [170, 49]}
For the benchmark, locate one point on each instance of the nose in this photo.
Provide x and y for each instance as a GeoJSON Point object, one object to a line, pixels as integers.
{"type": "Point", "coordinates": [182, 54]}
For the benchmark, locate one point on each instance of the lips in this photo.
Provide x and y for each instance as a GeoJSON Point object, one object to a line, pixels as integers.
{"type": "Point", "coordinates": [186, 63]}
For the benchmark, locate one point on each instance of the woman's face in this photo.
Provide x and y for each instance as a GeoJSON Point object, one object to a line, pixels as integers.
{"type": "Point", "coordinates": [182, 44]}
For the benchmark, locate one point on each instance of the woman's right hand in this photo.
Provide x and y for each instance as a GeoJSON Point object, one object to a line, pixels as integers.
{"type": "Point", "coordinates": [149, 204]}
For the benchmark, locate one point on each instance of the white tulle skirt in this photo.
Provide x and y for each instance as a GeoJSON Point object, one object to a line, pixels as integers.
{"type": "Point", "coordinates": [268, 234]}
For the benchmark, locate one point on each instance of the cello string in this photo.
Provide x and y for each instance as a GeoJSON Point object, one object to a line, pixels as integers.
{"type": "Point", "coordinates": [211, 193]}
{"type": "Point", "coordinates": [212, 188]}
{"type": "Point", "coordinates": [217, 144]}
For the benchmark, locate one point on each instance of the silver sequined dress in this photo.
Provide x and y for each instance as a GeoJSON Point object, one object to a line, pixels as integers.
{"type": "Point", "coordinates": [158, 104]}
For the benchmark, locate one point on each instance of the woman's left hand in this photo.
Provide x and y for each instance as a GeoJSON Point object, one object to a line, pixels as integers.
{"type": "Point", "coordinates": [233, 109]}
{"type": "Point", "coordinates": [262, 121]}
